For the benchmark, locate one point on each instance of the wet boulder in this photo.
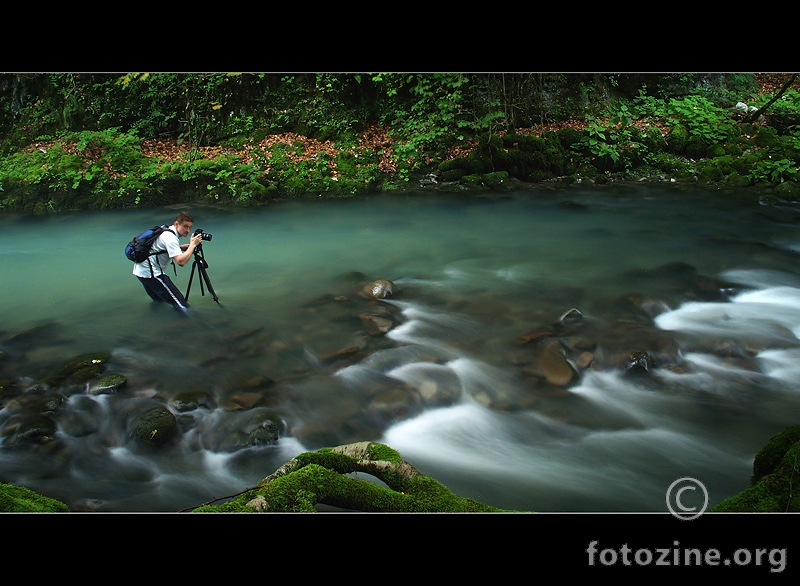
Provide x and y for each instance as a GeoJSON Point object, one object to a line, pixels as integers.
{"type": "Point", "coordinates": [393, 405]}
{"type": "Point", "coordinates": [380, 289]}
{"type": "Point", "coordinates": [108, 384]}
{"type": "Point", "coordinates": [550, 364]}
{"type": "Point", "coordinates": [233, 431]}
{"type": "Point", "coordinates": [81, 368]}
{"type": "Point", "coordinates": [26, 427]}
{"type": "Point", "coordinates": [153, 426]}
{"type": "Point", "coordinates": [8, 388]}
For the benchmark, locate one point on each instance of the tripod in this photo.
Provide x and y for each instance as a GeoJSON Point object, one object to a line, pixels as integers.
{"type": "Point", "coordinates": [201, 265]}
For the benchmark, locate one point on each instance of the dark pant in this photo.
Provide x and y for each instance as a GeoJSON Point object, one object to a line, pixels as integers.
{"type": "Point", "coordinates": [161, 288]}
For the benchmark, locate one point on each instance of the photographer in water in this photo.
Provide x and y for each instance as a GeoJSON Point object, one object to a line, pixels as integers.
{"type": "Point", "coordinates": [166, 248]}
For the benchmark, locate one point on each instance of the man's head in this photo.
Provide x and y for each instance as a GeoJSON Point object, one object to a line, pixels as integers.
{"type": "Point", "coordinates": [184, 223]}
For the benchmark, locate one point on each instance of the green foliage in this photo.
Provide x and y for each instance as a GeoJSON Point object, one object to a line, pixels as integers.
{"type": "Point", "coordinates": [431, 112]}
{"type": "Point", "coordinates": [614, 143]}
{"type": "Point", "coordinates": [99, 120]}
{"type": "Point", "coordinates": [787, 105]}
{"type": "Point", "coordinates": [778, 158]}
{"type": "Point", "coordinates": [702, 117]}
{"type": "Point", "coordinates": [775, 171]}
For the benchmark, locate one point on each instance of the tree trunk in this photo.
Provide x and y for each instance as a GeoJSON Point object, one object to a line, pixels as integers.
{"type": "Point", "coordinates": [754, 116]}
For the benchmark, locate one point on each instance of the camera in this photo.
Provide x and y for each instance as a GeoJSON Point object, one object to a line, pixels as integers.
{"type": "Point", "coordinates": [203, 235]}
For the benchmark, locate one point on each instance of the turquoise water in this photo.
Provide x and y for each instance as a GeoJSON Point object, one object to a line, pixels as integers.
{"type": "Point", "coordinates": [473, 274]}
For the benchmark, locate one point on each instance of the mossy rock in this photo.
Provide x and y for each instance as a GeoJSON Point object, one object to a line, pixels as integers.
{"type": "Point", "coordinates": [677, 139]}
{"type": "Point", "coordinates": [18, 499]}
{"type": "Point", "coordinates": [737, 180]}
{"type": "Point", "coordinates": [708, 171]}
{"type": "Point", "coordinates": [744, 164]}
{"type": "Point", "coordinates": [453, 174]}
{"type": "Point", "coordinates": [28, 429]}
{"type": "Point", "coordinates": [154, 426]}
{"type": "Point", "coordinates": [78, 363]}
{"type": "Point", "coordinates": [524, 142]}
{"type": "Point", "coordinates": [696, 147]}
{"type": "Point", "coordinates": [474, 180]}
{"type": "Point", "coordinates": [789, 190]}
{"type": "Point", "coordinates": [457, 163]}
{"type": "Point", "coordinates": [568, 137]}
{"type": "Point", "coordinates": [775, 468]}
{"type": "Point", "coordinates": [496, 180]}
{"type": "Point", "coordinates": [110, 383]}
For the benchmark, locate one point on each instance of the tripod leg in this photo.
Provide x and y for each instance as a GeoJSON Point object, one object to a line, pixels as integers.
{"type": "Point", "coordinates": [189, 286]}
{"type": "Point", "coordinates": [208, 283]}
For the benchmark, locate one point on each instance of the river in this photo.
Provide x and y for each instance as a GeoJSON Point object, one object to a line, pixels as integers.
{"type": "Point", "coordinates": [706, 281]}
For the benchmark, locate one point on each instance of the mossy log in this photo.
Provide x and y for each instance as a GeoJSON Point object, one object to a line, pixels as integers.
{"type": "Point", "coordinates": [320, 478]}
{"type": "Point", "coordinates": [18, 499]}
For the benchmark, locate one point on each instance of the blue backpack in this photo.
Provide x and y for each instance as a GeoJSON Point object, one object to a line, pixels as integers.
{"type": "Point", "coordinates": [138, 249]}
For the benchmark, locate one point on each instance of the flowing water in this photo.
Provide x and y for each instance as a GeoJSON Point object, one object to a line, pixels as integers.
{"type": "Point", "coordinates": [451, 385]}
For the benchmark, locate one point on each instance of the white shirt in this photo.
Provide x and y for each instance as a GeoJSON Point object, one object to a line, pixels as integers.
{"type": "Point", "coordinates": [166, 242]}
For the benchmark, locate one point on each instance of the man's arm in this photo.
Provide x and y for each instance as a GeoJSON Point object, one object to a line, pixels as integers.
{"type": "Point", "coordinates": [184, 256]}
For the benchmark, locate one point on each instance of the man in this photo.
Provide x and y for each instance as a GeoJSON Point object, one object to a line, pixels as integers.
{"type": "Point", "coordinates": [152, 273]}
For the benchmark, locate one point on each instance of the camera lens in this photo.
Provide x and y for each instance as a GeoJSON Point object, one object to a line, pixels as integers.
{"type": "Point", "coordinates": [206, 236]}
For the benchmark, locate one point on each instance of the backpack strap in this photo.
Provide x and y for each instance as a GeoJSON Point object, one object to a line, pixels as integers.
{"type": "Point", "coordinates": [151, 254]}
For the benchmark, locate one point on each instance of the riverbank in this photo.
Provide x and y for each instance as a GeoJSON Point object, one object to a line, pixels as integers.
{"type": "Point", "coordinates": [109, 170]}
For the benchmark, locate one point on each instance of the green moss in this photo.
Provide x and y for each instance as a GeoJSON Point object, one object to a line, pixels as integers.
{"type": "Point", "coordinates": [383, 452]}
{"type": "Point", "coordinates": [770, 456]}
{"type": "Point", "coordinates": [677, 139]}
{"type": "Point", "coordinates": [18, 499]}
{"type": "Point", "coordinates": [775, 471]}
{"type": "Point", "coordinates": [320, 477]}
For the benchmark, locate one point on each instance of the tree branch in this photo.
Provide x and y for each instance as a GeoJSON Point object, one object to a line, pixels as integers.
{"type": "Point", "coordinates": [754, 116]}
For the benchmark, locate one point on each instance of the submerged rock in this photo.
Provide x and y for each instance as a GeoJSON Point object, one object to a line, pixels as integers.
{"type": "Point", "coordinates": [638, 362]}
{"type": "Point", "coordinates": [28, 428]}
{"type": "Point", "coordinates": [237, 430]}
{"type": "Point", "coordinates": [191, 400]}
{"type": "Point", "coordinates": [551, 365]}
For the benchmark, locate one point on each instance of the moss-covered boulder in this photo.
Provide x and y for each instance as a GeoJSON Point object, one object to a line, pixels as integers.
{"type": "Point", "coordinates": [775, 470]}
{"type": "Point", "coordinates": [319, 478]}
{"type": "Point", "coordinates": [18, 499]}
{"type": "Point", "coordinates": [677, 139]}
{"type": "Point", "coordinates": [153, 426]}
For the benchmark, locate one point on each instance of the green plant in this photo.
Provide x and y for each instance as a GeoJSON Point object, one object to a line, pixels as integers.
{"type": "Point", "coordinates": [775, 170]}
{"type": "Point", "coordinates": [702, 118]}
